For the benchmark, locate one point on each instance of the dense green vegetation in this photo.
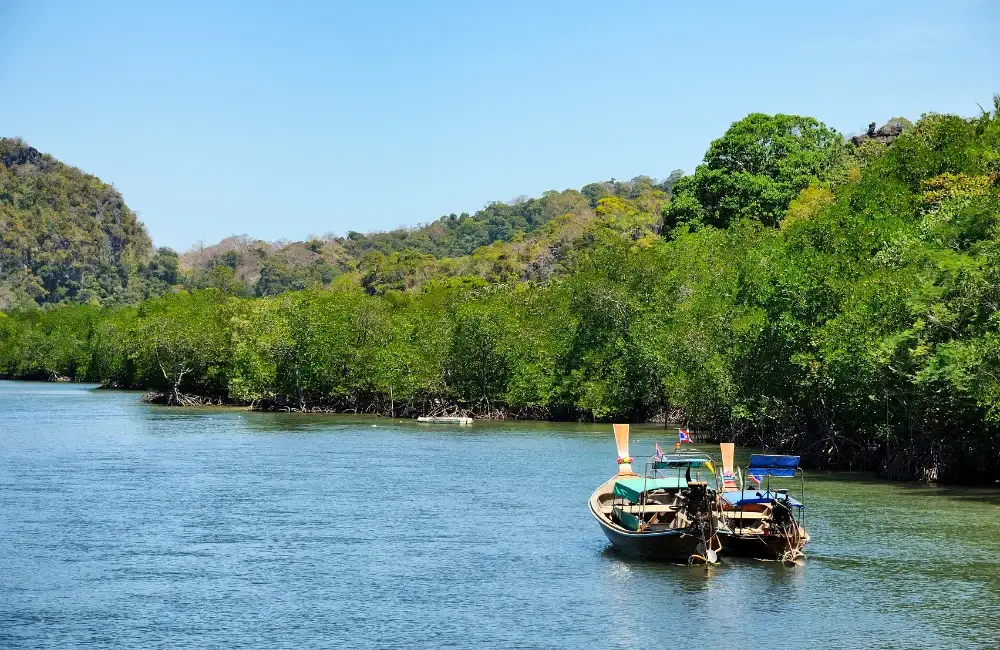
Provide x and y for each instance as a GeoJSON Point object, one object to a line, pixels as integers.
{"type": "Point", "coordinates": [798, 292]}
{"type": "Point", "coordinates": [452, 246]}
{"type": "Point", "coordinates": [68, 238]}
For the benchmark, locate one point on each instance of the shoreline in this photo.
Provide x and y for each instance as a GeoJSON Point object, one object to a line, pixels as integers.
{"type": "Point", "coordinates": [888, 468]}
{"type": "Point", "coordinates": [376, 408]}
{"type": "Point", "coordinates": [401, 410]}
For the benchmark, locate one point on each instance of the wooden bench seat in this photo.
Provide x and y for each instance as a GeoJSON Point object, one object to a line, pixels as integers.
{"type": "Point", "coordinates": [736, 515]}
{"type": "Point", "coordinates": [637, 509]}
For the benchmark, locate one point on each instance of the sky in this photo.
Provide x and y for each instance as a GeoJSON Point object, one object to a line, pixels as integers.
{"type": "Point", "coordinates": [287, 119]}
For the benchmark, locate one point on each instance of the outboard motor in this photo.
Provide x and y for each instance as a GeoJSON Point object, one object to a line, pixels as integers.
{"type": "Point", "coordinates": [781, 514]}
{"type": "Point", "coordinates": [783, 523]}
{"type": "Point", "coordinates": [699, 510]}
{"type": "Point", "coordinates": [697, 500]}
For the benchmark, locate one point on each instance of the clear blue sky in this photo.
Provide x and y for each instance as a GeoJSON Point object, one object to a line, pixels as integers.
{"type": "Point", "coordinates": [284, 119]}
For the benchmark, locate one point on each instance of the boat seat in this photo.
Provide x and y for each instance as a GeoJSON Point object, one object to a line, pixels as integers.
{"type": "Point", "coordinates": [626, 520]}
{"type": "Point", "coordinates": [637, 509]}
{"type": "Point", "coordinates": [737, 515]}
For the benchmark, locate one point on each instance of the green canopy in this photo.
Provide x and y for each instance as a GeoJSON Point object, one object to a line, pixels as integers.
{"type": "Point", "coordinates": [631, 488]}
{"type": "Point", "coordinates": [679, 462]}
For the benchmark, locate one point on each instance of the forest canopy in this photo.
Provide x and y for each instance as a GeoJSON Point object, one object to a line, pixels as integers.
{"type": "Point", "coordinates": [833, 298]}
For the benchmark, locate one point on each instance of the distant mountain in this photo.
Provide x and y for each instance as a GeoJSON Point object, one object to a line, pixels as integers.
{"type": "Point", "coordinates": [68, 237]}
{"type": "Point", "coordinates": [519, 239]}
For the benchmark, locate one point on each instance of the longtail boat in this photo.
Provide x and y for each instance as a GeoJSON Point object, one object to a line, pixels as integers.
{"type": "Point", "coordinates": [670, 512]}
{"type": "Point", "coordinates": [762, 522]}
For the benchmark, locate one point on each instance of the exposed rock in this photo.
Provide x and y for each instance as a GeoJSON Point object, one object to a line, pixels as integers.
{"type": "Point", "coordinates": [884, 134]}
{"type": "Point", "coordinates": [21, 155]}
{"type": "Point", "coordinates": [890, 130]}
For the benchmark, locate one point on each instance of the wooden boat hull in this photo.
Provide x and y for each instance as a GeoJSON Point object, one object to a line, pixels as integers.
{"type": "Point", "coordinates": [673, 545]}
{"type": "Point", "coordinates": [676, 545]}
{"type": "Point", "coordinates": [767, 547]}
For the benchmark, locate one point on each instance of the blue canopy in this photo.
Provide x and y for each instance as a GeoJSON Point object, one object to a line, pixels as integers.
{"type": "Point", "coordinates": [746, 497]}
{"type": "Point", "coordinates": [765, 464]}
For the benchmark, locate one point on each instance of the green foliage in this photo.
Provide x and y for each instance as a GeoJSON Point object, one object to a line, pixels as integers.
{"type": "Point", "coordinates": [811, 201]}
{"type": "Point", "coordinates": [456, 235]}
{"type": "Point", "coordinates": [862, 332]}
{"type": "Point", "coordinates": [52, 344]}
{"type": "Point", "coordinates": [527, 238]}
{"type": "Point", "coordinates": [65, 237]}
{"type": "Point", "coordinates": [755, 170]}
{"type": "Point", "coordinates": [183, 336]}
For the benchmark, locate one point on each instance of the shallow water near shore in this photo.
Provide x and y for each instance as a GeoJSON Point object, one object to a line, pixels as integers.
{"type": "Point", "coordinates": [129, 525]}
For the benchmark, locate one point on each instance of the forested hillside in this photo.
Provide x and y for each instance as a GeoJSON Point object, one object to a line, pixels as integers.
{"type": "Point", "coordinates": [802, 292]}
{"type": "Point", "coordinates": [454, 245]}
{"type": "Point", "coordinates": [66, 237]}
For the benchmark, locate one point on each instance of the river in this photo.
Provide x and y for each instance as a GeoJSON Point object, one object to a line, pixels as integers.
{"type": "Point", "coordinates": [129, 525]}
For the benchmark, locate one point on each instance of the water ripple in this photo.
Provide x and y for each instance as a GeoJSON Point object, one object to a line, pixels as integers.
{"type": "Point", "coordinates": [128, 525]}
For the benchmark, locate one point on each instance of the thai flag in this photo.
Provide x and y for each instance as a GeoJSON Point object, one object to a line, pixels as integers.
{"type": "Point", "coordinates": [659, 453]}
{"type": "Point", "coordinates": [754, 479]}
{"type": "Point", "coordinates": [684, 436]}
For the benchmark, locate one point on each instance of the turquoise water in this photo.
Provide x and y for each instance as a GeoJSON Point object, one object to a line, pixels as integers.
{"type": "Point", "coordinates": [129, 525]}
